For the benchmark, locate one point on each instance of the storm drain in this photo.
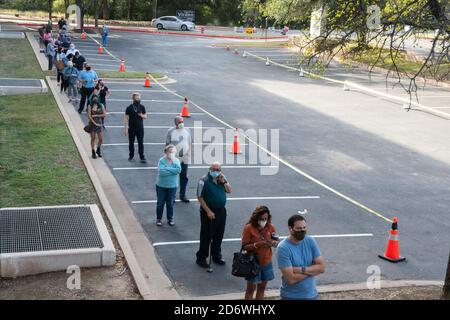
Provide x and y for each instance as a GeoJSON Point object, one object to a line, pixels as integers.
{"type": "Point", "coordinates": [47, 238]}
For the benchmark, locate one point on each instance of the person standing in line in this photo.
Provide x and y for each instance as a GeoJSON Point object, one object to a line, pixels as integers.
{"type": "Point", "coordinates": [133, 125]}
{"type": "Point", "coordinates": [59, 68]}
{"type": "Point", "coordinates": [71, 51]}
{"type": "Point", "coordinates": [61, 23]}
{"type": "Point", "coordinates": [104, 93]}
{"type": "Point", "coordinates": [47, 37]}
{"type": "Point", "coordinates": [259, 237]}
{"type": "Point", "coordinates": [300, 261]}
{"type": "Point", "coordinates": [182, 139]}
{"type": "Point", "coordinates": [71, 75]}
{"type": "Point", "coordinates": [166, 184]}
{"type": "Point", "coordinates": [88, 80]}
{"type": "Point", "coordinates": [78, 60]}
{"type": "Point", "coordinates": [211, 193]}
{"type": "Point", "coordinates": [50, 54]}
{"type": "Point", "coordinates": [95, 113]}
{"type": "Point", "coordinates": [105, 31]}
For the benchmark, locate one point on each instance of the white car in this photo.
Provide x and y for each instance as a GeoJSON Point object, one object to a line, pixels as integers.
{"type": "Point", "coordinates": [172, 22]}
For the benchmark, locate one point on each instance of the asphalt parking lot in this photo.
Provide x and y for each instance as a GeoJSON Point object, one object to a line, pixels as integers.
{"type": "Point", "coordinates": [335, 146]}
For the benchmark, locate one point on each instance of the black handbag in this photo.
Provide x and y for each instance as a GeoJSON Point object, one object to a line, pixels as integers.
{"type": "Point", "coordinates": [88, 128]}
{"type": "Point", "coordinates": [245, 264]}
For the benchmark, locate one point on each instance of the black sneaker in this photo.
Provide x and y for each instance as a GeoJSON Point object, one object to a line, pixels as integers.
{"type": "Point", "coordinates": [94, 156]}
{"type": "Point", "coordinates": [202, 263]}
{"type": "Point", "coordinates": [99, 153]}
{"type": "Point", "coordinates": [184, 199]}
{"type": "Point", "coordinates": [130, 159]}
{"type": "Point", "coordinates": [220, 261]}
{"type": "Point", "coordinates": [80, 111]}
{"type": "Point", "coordinates": [143, 160]}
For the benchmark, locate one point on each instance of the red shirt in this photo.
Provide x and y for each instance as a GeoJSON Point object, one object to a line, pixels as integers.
{"type": "Point", "coordinates": [251, 235]}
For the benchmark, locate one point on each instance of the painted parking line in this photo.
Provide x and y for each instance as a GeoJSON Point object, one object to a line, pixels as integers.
{"type": "Point", "coordinates": [101, 59]}
{"type": "Point", "coordinates": [196, 167]}
{"type": "Point", "coordinates": [349, 235]}
{"type": "Point", "coordinates": [440, 107]}
{"type": "Point", "coordinates": [133, 90]}
{"type": "Point", "coordinates": [102, 64]}
{"type": "Point", "coordinates": [148, 100]}
{"type": "Point", "coordinates": [166, 127]}
{"type": "Point", "coordinates": [163, 144]}
{"type": "Point", "coordinates": [159, 113]}
{"type": "Point", "coordinates": [240, 199]}
{"type": "Point", "coordinates": [285, 162]}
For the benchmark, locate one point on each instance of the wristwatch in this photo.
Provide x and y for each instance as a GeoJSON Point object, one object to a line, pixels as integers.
{"type": "Point", "coordinates": [303, 269]}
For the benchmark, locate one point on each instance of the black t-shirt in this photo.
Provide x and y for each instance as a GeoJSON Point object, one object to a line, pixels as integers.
{"type": "Point", "coordinates": [78, 62]}
{"type": "Point", "coordinates": [135, 122]}
{"type": "Point", "coordinates": [103, 93]}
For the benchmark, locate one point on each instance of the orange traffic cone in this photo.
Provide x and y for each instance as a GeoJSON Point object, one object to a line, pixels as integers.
{"type": "Point", "coordinates": [392, 252]}
{"type": "Point", "coordinates": [83, 35]}
{"type": "Point", "coordinates": [147, 83]}
{"type": "Point", "coordinates": [122, 65]}
{"type": "Point", "coordinates": [235, 148]}
{"type": "Point", "coordinates": [185, 110]}
{"type": "Point", "coordinates": [100, 50]}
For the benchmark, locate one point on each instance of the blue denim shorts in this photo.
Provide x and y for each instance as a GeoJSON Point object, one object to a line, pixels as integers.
{"type": "Point", "coordinates": [266, 274]}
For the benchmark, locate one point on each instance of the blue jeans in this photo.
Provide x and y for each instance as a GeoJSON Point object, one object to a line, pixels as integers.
{"type": "Point", "coordinates": [104, 36]}
{"type": "Point", "coordinates": [183, 179]}
{"type": "Point", "coordinates": [266, 274]}
{"type": "Point", "coordinates": [164, 196]}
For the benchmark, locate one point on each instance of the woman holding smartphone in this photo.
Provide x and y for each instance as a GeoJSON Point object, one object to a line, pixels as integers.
{"type": "Point", "coordinates": [259, 237]}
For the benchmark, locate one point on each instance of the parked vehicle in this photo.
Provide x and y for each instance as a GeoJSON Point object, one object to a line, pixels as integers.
{"type": "Point", "coordinates": [174, 23]}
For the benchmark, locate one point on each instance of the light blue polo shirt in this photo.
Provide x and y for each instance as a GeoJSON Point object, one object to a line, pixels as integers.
{"type": "Point", "coordinates": [290, 254]}
{"type": "Point", "coordinates": [88, 78]}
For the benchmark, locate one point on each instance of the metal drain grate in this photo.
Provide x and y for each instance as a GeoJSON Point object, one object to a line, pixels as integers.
{"type": "Point", "coordinates": [43, 229]}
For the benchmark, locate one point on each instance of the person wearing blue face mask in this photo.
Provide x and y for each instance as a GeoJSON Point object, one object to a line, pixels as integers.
{"type": "Point", "coordinates": [211, 193]}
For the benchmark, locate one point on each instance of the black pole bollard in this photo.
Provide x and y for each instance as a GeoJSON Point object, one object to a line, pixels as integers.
{"type": "Point", "coordinates": [446, 291]}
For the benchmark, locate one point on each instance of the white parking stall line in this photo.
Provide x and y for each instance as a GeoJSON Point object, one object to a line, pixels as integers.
{"type": "Point", "coordinates": [195, 167]}
{"type": "Point", "coordinates": [147, 100]}
{"type": "Point", "coordinates": [166, 127]}
{"type": "Point", "coordinates": [159, 113]}
{"type": "Point", "coordinates": [440, 107]}
{"type": "Point", "coordinates": [241, 199]}
{"type": "Point", "coordinates": [100, 59]}
{"type": "Point", "coordinates": [349, 235]}
{"type": "Point", "coordinates": [102, 64]}
{"type": "Point", "coordinates": [163, 144]}
{"type": "Point", "coordinates": [133, 90]}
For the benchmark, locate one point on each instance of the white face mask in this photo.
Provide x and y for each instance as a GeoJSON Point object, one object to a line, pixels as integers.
{"type": "Point", "coordinates": [262, 223]}
{"type": "Point", "coordinates": [171, 155]}
{"type": "Point", "coordinates": [181, 125]}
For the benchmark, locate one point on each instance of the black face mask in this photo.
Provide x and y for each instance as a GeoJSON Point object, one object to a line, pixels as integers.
{"type": "Point", "coordinates": [298, 235]}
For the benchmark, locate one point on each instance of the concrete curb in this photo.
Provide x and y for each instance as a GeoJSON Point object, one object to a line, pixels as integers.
{"type": "Point", "coordinates": [149, 276]}
{"type": "Point", "coordinates": [274, 293]}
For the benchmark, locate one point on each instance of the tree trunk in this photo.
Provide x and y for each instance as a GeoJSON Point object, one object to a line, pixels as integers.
{"type": "Point", "coordinates": [129, 10]}
{"type": "Point", "coordinates": [96, 13]}
{"type": "Point", "coordinates": [66, 5]}
{"type": "Point", "coordinates": [154, 9]}
{"type": "Point", "coordinates": [50, 9]}
{"type": "Point", "coordinates": [80, 3]}
{"type": "Point", "coordinates": [105, 10]}
{"type": "Point", "coordinates": [446, 291]}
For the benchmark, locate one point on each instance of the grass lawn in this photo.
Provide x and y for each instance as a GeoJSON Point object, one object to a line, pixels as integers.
{"type": "Point", "coordinates": [17, 60]}
{"type": "Point", "coordinates": [404, 64]}
{"type": "Point", "coordinates": [39, 163]}
{"type": "Point", "coordinates": [126, 74]}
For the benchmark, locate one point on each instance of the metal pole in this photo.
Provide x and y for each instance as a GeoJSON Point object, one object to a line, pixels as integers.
{"type": "Point", "coordinates": [210, 269]}
{"type": "Point", "coordinates": [446, 291]}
